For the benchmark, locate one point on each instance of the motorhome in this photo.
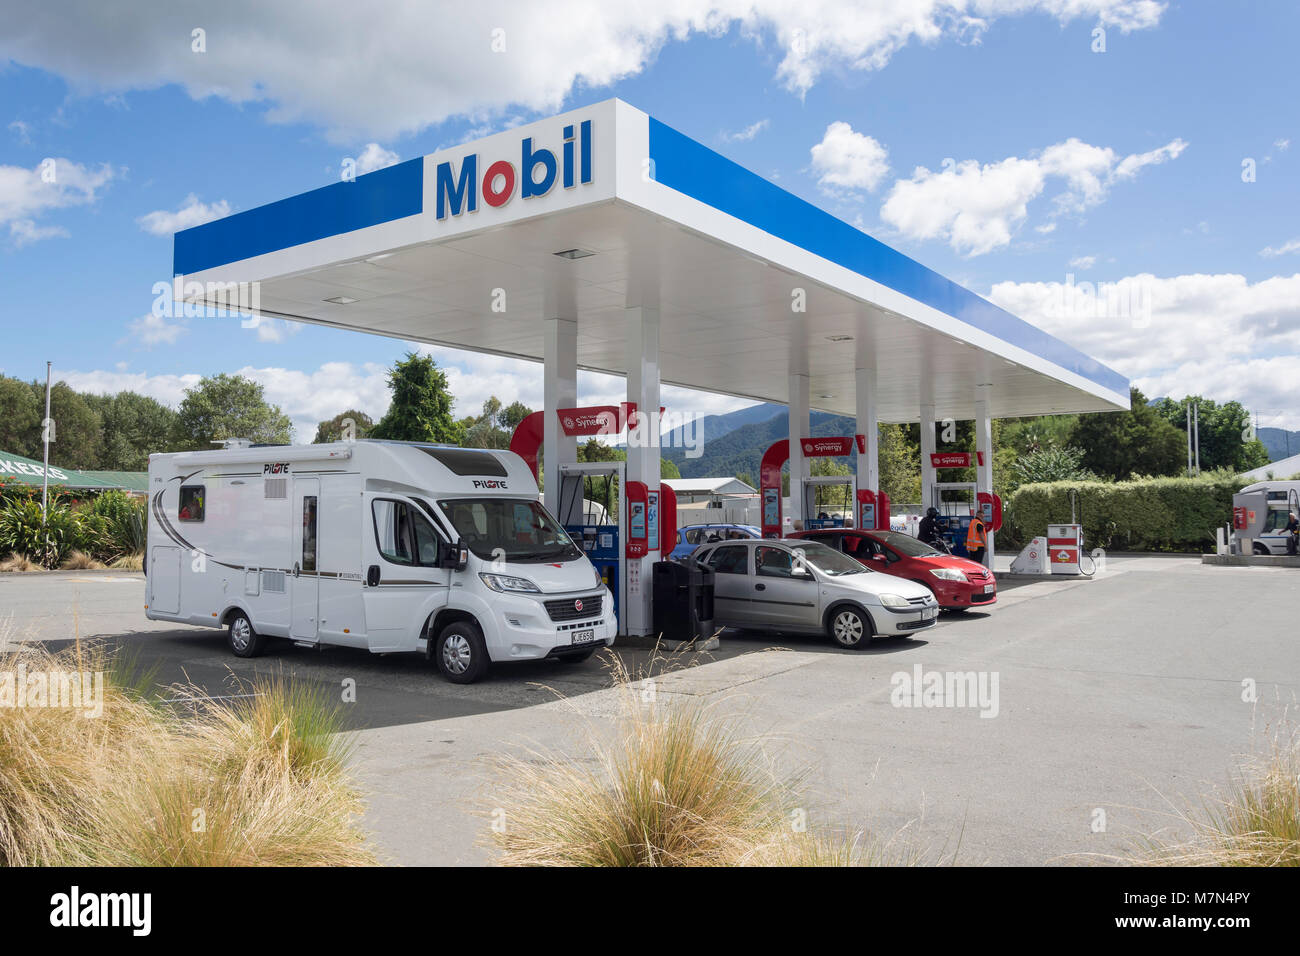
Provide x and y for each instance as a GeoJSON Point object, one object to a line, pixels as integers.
{"type": "Point", "coordinates": [1261, 511]}
{"type": "Point", "coordinates": [386, 546]}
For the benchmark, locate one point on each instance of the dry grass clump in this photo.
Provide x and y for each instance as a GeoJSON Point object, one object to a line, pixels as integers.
{"type": "Point", "coordinates": [1254, 822]}
{"type": "Point", "coordinates": [261, 782]}
{"type": "Point", "coordinates": [128, 562]}
{"type": "Point", "coordinates": [80, 561]}
{"type": "Point", "coordinates": [18, 562]}
{"type": "Point", "coordinates": [673, 785]}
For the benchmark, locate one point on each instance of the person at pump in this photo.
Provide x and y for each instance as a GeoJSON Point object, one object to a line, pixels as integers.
{"type": "Point", "coordinates": [928, 533]}
{"type": "Point", "coordinates": [1292, 534]}
{"type": "Point", "coordinates": [977, 539]}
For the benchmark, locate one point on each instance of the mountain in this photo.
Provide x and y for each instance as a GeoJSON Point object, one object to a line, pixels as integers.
{"type": "Point", "coordinates": [738, 451]}
{"type": "Point", "coordinates": [1280, 442]}
{"type": "Point", "coordinates": [712, 427]}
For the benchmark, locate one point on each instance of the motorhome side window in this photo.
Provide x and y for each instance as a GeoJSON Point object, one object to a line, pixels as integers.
{"type": "Point", "coordinates": [191, 503]}
{"type": "Point", "coordinates": [403, 535]}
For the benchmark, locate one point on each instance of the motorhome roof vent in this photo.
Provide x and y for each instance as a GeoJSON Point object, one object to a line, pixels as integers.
{"type": "Point", "coordinates": [229, 443]}
{"type": "Point", "coordinates": [276, 488]}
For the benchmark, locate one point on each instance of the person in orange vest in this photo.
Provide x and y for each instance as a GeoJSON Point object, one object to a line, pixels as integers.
{"type": "Point", "coordinates": [977, 538]}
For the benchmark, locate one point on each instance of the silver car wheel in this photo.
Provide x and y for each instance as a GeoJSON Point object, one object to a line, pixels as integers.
{"type": "Point", "coordinates": [241, 632]}
{"type": "Point", "coordinates": [848, 628]}
{"type": "Point", "coordinates": [456, 653]}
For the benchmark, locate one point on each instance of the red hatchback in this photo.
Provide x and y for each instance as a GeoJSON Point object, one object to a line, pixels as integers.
{"type": "Point", "coordinates": [958, 583]}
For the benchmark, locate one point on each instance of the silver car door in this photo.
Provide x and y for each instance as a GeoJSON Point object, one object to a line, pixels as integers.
{"type": "Point", "coordinates": [731, 584]}
{"type": "Point", "coordinates": [785, 594]}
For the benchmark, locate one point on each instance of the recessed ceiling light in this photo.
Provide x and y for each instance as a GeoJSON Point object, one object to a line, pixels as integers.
{"type": "Point", "coordinates": [574, 254]}
{"type": "Point", "coordinates": [825, 396]}
{"type": "Point", "coordinates": [840, 338]}
{"type": "Point", "coordinates": [341, 300]}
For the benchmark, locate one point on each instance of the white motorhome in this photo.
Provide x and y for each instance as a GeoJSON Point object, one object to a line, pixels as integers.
{"type": "Point", "coordinates": [1268, 532]}
{"type": "Point", "coordinates": [387, 546]}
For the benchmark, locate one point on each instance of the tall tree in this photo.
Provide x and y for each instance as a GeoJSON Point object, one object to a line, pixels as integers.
{"type": "Point", "coordinates": [135, 426]}
{"type": "Point", "coordinates": [421, 405]}
{"type": "Point", "coordinates": [1136, 442]}
{"type": "Point", "coordinates": [228, 406]}
{"type": "Point", "coordinates": [78, 430]}
{"type": "Point", "coordinates": [1225, 435]}
{"type": "Point", "coordinates": [335, 429]}
{"type": "Point", "coordinates": [20, 417]}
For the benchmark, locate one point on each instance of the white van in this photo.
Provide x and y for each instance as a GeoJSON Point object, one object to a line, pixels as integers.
{"type": "Point", "coordinates": [388, 546]}
{"type": "Point", "coordinates": [1269, 534]}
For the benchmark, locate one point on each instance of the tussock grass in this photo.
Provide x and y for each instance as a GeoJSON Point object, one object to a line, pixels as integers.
{"type": "Point", "coordinates": [669, 783]}
{"type": "Point", "coordinates": [1254, 821]}
{"type": "Point", "coordinates": [80, 561]}
{"type": "Point", "coordinates": [18, 562]}
{"type": "Point", "coordinates": [128, 562]}
{"type": "Point", "coordinates": [261, 782]}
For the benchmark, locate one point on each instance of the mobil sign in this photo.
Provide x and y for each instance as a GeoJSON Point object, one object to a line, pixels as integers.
{"type": "Point", "coordinates": [533, 168]}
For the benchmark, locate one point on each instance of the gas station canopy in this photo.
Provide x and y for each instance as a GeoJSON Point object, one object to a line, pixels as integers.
{"type": "Point", "coordinates": [604, 208]}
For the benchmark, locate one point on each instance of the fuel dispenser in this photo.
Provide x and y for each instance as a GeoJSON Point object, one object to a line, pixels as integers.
{"type": "Point", "coordinates": [590, 511]}
{"type": "Point", "coordinates": [838, 498]}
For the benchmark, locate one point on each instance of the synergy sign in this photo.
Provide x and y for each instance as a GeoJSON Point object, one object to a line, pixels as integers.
{"type": "Point", "coordinates": [536, 175]}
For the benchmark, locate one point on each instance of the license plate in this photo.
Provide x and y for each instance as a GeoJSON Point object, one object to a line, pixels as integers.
{"type": "Point", "coordinates": [988, 588]}
{"type": "Point", "coordinates": [584, 637]}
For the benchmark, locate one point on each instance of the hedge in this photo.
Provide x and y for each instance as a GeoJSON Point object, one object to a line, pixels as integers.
{"type": "Point", "coordinates": [1144, 514]}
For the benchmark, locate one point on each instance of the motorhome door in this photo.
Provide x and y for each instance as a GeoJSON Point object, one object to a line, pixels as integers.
{"type": "Point", "coordinates": [306, 584]}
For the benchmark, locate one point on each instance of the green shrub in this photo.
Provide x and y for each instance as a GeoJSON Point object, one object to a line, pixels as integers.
{"type": "Point", "coordinates": [123, 526]}
{"type": "Point", "coordinates": [1144, 514]}
{"type": "Point", "coordinates": [48, 541]}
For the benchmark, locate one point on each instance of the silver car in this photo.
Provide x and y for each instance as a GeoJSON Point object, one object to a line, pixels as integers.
{"type": "Point", "coordinates": [802, 586]}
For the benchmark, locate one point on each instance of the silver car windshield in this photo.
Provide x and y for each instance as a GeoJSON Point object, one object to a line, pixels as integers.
{"type": "Point", "coordinates": [827, 560]}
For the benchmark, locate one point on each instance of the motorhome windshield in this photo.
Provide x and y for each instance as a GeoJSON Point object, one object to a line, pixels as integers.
{"type": "Point", "coordinates": [511, 529]}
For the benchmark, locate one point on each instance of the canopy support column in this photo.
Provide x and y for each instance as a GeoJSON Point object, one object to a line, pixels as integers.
{"type": "Point", "coordinates": [927, 463]}
{"type": "Point", "coordinates": [868, 426]}
{"type": "Point", "coordinates": [559, 390]}
{"type": "Point", "coordinates": [800, 420]}
{"type": "Point", "coordinates": [984, 454]}
{"type": "Point", "coordinates": [642, 325]}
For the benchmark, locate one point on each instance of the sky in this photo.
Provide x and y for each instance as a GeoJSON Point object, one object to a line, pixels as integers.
{"type": "Point", "coordinates": [1025, 148]}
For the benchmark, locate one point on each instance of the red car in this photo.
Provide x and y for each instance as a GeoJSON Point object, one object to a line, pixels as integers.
{"type": "Point", "coordinates": [958, 583]}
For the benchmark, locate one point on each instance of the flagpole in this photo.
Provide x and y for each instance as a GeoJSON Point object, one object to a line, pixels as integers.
{"type": "Point", "coordinates": [45, 432]}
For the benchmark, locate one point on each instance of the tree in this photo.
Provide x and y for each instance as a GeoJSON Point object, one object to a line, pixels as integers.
{"type": "Point", "coordinates": [421, 405]}
{"type": "Point", "coordinates": [335, 429]}
{"type": "Point", "coordinates": [899, 461]}
{"type": "Point", "coordinates": [228, 406]}
{"type": "Point", "coordinates": [20, 417]}
{"type": "Point", "coordinates": [1226, 438]}
{"type": "Point", "coordinates": [1136, 442]}
{"type": "Point", "coordinates": [135, 426]}
{"type": "Point", "coordinates": [1052, 464]}
{"type": "Point", "coordinates": [78, 430]}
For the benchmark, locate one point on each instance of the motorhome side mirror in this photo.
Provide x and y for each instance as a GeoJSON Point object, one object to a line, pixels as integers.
{"type": "Point", "coordinates": [454, 556]}
{"type": "Point", "coordinates": [462, 554]}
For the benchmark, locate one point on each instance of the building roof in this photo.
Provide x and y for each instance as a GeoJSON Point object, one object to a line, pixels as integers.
{"type": "Point", "coordinates": [467, 248]}
{"type": "Point", "coordinates": [1281, 469]}
{"type": "Point", "coordinates": [709, 486]}
{"type": "Point", "coordinates": [16, 468]}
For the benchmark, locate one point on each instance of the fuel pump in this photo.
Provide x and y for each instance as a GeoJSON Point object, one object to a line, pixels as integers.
{"type": "Point", "coordinates": [592, 514]}
{"type": "Point", "coordinates": [955, 513]}
{"type": "Point", "coordinates": [838, 497]}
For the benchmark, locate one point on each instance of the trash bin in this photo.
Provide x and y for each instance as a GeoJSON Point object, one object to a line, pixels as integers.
{"type": "Point", "coordinates": [701, 599]}
{"type": "Point", "coordinates": [671, 593]}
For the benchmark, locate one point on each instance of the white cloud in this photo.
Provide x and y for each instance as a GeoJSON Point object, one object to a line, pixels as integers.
{"type": "Point", "coordinates": [1281, 145]}
{"type": "Point", "coordinates": [357, 70]}
{"type": "Point", "coordinates": [845, 159]}
{"type": "Point", "coordinates": [191, 213]}
{"type": "Point", "coordinates": [978, 208]}
{"type": "Point", "coordinates": [748, 133]}
{"type": "Point", "coordinates": [1083, 262]}
{"type": "Point", "coordinates": [22, 131]}
{"type": "Point", "coordinates": [1207, 334]}
{"type": "Point", "coordinates": [1291, 245]}
{"type": "Point", "coordinates": [150, 330]}
{"type": "Point", "coordinates": [24, 231]}
{"type": "Point", "coordinates": [54, 183]}
{"type": "Point", "coordinates": [375, 157]}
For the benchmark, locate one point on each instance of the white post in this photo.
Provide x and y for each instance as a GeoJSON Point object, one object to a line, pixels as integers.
{"type": "Point", "coordinates": [642, 452]}
{"type": "Point", "coordinates": [800, 427]}
{"type": "Point", "coordinates": [868, 427]}
{"type": "Point", "coordinates": [927, 449]}
{"type": "Point", "coordinates": [45, 438]}
{"type": "Point", "coordinates": [984, 450]}
{"type": "Point", "coordinates": [559, 390]}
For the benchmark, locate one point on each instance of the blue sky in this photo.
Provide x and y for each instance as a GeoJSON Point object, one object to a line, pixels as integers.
{"type": "Point", "coordinates": [1123, 166]}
